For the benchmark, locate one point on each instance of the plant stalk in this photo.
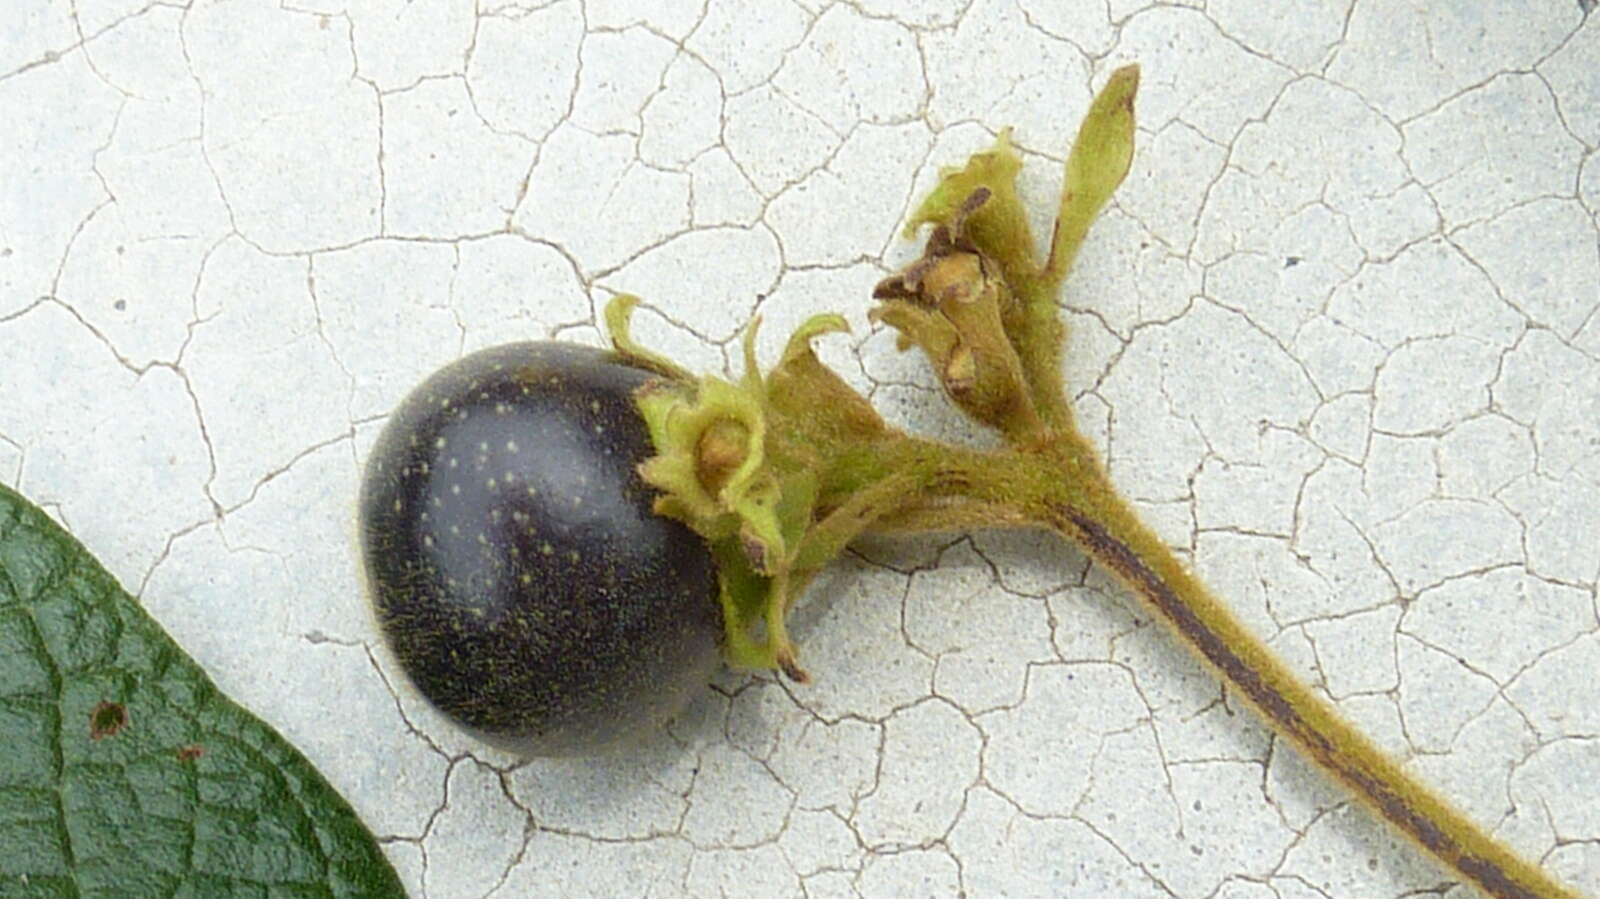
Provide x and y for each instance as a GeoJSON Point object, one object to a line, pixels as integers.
{"type": "Point", "coordinates": [1061, 486]}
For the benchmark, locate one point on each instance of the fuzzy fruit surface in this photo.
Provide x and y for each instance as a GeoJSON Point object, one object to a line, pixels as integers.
{"type": "Point", "coordinates": [513, 561]}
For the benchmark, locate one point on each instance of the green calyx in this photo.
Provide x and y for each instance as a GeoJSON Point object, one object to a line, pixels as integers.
{"type": "Point", "coordinates": [780, 471]}
{"type": "Point", "coordinates": [999, 358]}
{"type": "Point", "coordinates": [951, 304]}
{"type": "Point", "coordinates": [761, 468]}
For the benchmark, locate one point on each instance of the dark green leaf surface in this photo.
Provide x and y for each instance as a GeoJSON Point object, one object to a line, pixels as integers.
{"type": "Point", "coordinates": [123, 770]}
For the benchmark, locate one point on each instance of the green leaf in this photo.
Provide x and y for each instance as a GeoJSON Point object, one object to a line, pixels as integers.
{"type": "Point", "coordinates": [125, 772]}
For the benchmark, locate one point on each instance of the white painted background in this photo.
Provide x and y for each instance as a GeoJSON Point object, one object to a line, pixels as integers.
{"type": "Point", "coordinates": [1339, 333]}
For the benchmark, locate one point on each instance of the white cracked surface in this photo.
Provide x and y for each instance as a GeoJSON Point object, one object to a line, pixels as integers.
{"type": "Point", "coordinates": [1339, 336]}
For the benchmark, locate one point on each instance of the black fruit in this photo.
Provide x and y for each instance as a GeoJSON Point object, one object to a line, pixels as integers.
{"type": "Point", "coordinates": [514, 563]}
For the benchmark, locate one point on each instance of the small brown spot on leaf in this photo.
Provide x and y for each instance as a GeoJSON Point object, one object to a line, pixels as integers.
{"type": "Point", "coordinates": [107, 720]}
{"type": "Point", "coordinates": [191, 752]}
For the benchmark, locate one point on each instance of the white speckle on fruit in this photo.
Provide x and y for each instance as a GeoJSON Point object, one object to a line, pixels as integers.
{"type": "Point", "coordinates": [490, 552]}
{"type": "Point", "coordinates": [439, 443]}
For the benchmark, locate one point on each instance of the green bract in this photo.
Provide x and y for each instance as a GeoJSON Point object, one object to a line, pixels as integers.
{"type": "Point", "coordinates": [763, 469]}
{"type": "Point", "coordinates": [124, 772]}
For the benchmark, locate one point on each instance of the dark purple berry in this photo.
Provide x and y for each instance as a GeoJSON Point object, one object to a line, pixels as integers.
{"type": "Point", "coordinates": [513, 560]}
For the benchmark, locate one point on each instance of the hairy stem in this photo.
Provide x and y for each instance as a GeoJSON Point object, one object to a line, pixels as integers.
{"type": "Point", "coordinates": [1062, 487]}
